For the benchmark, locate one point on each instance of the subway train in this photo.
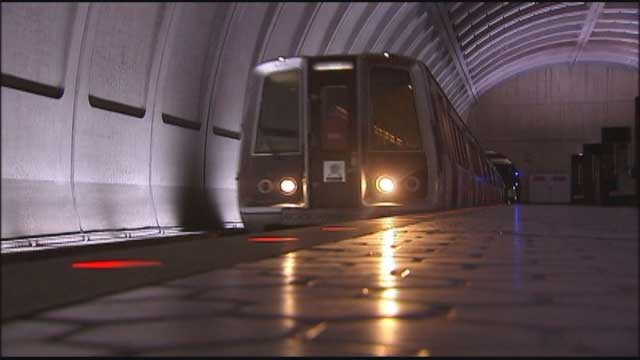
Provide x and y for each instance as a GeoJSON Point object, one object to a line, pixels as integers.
{"type": "Point", "coordinates": [509, 173]}
{"type": "Point", "coordinates": [333, 138]}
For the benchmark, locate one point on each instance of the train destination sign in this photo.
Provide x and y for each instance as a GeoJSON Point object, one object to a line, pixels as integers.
{"type": "Point", "coordinates": [334, 171]}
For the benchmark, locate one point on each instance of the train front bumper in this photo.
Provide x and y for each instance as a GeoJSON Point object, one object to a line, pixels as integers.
{"type": "Point", "coordinates": [258, 218]}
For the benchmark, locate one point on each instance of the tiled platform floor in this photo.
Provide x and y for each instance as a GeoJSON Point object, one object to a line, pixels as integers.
{"type": "Point", "coordinates": [521, 280]}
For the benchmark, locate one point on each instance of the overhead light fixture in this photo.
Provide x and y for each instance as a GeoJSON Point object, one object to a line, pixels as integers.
{"type": "Point", "coordinates": [386, 54]}
{"type": "Point", "coordinates": [335, 65]}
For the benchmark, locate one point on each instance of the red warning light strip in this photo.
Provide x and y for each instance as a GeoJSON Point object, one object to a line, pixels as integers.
{"type": "Point", "coordinates": [272, 239]}
{"type": "Point", "coordinates": [339, 228]}
{"type": "Point", "coordinates": [114, 264]}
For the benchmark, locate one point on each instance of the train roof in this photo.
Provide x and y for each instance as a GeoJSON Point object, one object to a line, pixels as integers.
{"type": "Point", "coordinates": [383, 55]}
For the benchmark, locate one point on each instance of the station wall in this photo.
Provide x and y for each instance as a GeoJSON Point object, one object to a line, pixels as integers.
{"type": "Point", "coordinates": [541, 117]}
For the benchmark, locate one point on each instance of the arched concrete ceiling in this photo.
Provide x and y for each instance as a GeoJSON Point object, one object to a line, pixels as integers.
{"type": "Point", "coordinates": [496, 40]}
{"type": "Point", "coordinates": [472, 46]}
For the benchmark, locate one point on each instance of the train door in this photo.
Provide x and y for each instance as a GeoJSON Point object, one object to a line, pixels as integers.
{"type": "Point", "coordinates": [394, 163]}
{"type": "Point", "coordinates": [334, 175]}
{"type": "Point", "coordinates": [453, 155]}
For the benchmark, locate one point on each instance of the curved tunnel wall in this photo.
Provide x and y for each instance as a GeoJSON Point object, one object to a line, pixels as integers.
{"type": "Point", "coordinates": [127, 115]}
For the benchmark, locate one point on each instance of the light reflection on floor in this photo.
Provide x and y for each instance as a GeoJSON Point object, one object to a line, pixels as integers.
{"type": "Point", "coordinates": [289, 298]}
{"type": "Point", "coordinates": [386, 332]}
{"type": "Point", "coordinates": [517, 248]}
{"type": "Point", "coordinates": [387, 260]}
{"type": "Point", "coordinates": [366, 295]}
{"type": "Point", "coordinates": [387, 327]}
{"type": "Point", "coordinates": [388, 305]}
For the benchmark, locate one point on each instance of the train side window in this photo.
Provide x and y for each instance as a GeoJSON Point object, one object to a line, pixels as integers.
{"type": "Point", "coordinates": [456, 143]}
{"type": "Point", "coordinates": [487, 176]}
{"type": "Point", "coordinates": [455, 138]}
{"type": "Point", "coordinates": [278, 128]}
{"type": "Point", "coordinates": [448, 133]}
{"type": "Point", "coordinates": [456, 134]}
{"type": "Point", "coordinates": [485, 168]}
{"type": "Point", "coordinates": [393, 112]}
{"type": "Point", "coordinates": [443, 126]}
{"type": "Point", "coordinates": [446, 130]}
{"type": "Point", "coordinates": [463, 149]}
{"type": "Point", "coordinates": [475, 159]}
{"type": "Point", "coordinates": [455, 121]}
{"type": "Point", "coordinates": [440, 142]}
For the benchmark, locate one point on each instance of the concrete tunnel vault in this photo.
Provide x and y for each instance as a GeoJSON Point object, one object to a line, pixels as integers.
{"type": "Point", "coordinates": [127, 115]}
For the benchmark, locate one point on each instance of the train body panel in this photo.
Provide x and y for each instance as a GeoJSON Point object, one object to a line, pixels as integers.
{"type": "Point", "coordinates": [337, 137]}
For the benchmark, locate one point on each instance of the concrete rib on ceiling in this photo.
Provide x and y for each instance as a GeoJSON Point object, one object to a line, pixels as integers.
{"type": "Point", "coordinates": [501, 39]}
{"type": "Point", "coordinates": [472, 46]}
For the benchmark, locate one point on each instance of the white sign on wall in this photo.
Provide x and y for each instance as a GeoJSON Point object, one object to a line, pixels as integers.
{"type": "Point", "coordinates": [334, 171]}
{"type": "Point", "coordinates": [549, 188]}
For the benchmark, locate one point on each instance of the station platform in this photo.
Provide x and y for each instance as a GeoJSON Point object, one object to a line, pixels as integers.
{"type": "Point", "coordinates": [523, 280]}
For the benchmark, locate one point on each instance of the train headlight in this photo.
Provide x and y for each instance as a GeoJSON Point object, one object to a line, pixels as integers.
{"type": "Point", "coordinates": [265, 186]}
{"type": "Point", "coordinates": [288, 186]}
{"type": "Point", "coordinates": [412, 183]}
{"type": "Point", "coordinates": [385, 184]}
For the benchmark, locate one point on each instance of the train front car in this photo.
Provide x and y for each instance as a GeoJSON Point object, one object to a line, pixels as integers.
{"type": "Point", "coordinates": [332, 138]}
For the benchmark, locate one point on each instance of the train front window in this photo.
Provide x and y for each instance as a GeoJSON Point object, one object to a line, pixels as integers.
{"type": "Point", "coordinates": [279, 124]}
{"type": "Point", "coordinates": [393, 113]}
{"type": "Point", "coordinates": [335, 118]}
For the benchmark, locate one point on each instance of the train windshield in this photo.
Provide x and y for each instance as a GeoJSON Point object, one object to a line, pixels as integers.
{"type": "Point", "coordinates": [393, 112]}
{"type": "Point", "coordinates": [279, 124]}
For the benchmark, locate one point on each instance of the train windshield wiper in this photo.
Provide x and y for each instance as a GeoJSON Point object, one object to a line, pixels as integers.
{"type": "Point", "coordinates": [271, 135]}
{"type": "Point", "coordinates": [279, 132]}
